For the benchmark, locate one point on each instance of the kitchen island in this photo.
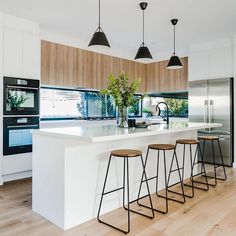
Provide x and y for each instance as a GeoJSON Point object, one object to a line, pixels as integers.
{"type": "Point", "coordinates": [69, 166]}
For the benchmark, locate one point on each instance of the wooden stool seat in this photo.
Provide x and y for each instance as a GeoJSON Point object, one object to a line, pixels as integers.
{"type": "Point", "coordinates": [162, 146]}
{"type": "Point", "coordinates": [187, 141]}
{"type": "Point", "coordinates": [126, 153]}
{"type": "Point", "coordinates": [208, 137]}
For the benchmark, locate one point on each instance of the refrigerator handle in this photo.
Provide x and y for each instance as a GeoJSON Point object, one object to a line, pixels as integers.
{"type": "Point", "coordinates": [205, 111]}
{"type": "Point", "coordinates": [210, 111]}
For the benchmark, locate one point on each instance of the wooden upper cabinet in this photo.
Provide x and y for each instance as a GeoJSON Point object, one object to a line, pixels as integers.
{"type": "Point", "coordinates": [161, 79]}
{"type": "Point", "coordinates": [77, 68]}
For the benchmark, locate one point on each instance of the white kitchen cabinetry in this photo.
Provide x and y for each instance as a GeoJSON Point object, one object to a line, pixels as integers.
{"type": "Point", "coordinates": [198, 65]}
{"type": "Point", "coordinates": [21, 54]}
{"type": "Point", "coordinates": [31, 56]}
{"type": "Point", "coordinates": [211, 60]}
{"type": "Point", "coordinates": [12, 52]}
{"type": "Point", "coordinates": [220, 62]}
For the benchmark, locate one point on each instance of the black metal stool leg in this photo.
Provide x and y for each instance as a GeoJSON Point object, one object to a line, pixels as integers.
{"type": "Point", "coordinates": [127, 161]}
{"type": "Point", "coordinates": [158, 159]}
{"type": "Point", "coordinates": [136, 200]}
{"type": "Point", "coordinates": [103, 193]}
{"type": "Point", "coordinates": [202, 171]}
{"type": "Point", "coordinates": [191, 174]}
{"type": "Point", "coordinates": [141, 182]}
{"type": "Point", "coordinates": [214, 160]}
{"type": "Point", "coordinates": [103, 189]}
{"type": "Point", "coordinates": [222, 161]}
{"type": "Point", "coordinates": [180, 181]}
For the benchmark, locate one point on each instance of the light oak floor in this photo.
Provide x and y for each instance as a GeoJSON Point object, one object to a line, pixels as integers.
{"type": "Point", "coordinates": [208, 213]}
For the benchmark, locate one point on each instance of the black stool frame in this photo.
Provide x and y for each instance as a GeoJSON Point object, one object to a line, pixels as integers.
{"type": "Point", "coordinates": [125, 174]}
{"type": "Point", "coordinates": [194, 162]}
{"type": "Point", "coordinates": [214, 161]}
{"type": "Point", "coordinates": [166, 181]}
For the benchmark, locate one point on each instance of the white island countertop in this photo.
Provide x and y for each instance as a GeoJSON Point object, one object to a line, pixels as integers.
{"type": "Point", "coordinates": [111, 132]}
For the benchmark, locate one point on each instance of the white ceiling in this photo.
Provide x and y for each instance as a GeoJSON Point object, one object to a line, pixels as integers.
{"type": "Point", "coordinates": [199, 21]}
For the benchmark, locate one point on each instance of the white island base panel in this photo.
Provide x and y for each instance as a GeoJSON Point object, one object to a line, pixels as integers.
{"type": "Point", "coordinates": [68, 174]}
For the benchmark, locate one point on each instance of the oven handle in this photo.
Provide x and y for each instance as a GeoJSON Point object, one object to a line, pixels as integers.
{"type": "Point", "coordinates": [22, 126]}
{"type": "Point", "coordinates": [20, 87]}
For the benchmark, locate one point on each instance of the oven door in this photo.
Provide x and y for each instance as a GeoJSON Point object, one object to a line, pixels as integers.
{"type": "Point", "coordinates": [17, 137]}
{"type": "Point", "coordinates": [20, 96]}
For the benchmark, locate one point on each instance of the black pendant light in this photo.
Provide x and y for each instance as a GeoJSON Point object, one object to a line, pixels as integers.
{"type": "Point", "coordinates": [174, 62]}
{"type": "Point", "coordinates": [143, 51]}
{"type": "Point", "coordinates": [99, 37]}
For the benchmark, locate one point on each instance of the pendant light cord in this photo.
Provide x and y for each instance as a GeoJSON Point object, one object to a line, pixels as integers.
{"type": "Point", "coordinates": [143, 28]}
{"type": "Point", "coordinates": [99, 17]}
{"type": "Point", "coordinates": [174, 40]}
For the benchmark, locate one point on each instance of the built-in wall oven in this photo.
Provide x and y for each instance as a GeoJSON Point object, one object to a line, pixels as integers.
{"type": "Point", "coordinates": [20, 96]}
{"type": "Point", "coordinates": [20, 114]}
{"type": "Point", "coordinates": [17, 137]}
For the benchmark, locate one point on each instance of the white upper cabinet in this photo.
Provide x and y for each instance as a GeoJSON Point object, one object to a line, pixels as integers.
{"type": "Point", "coordinates": [211, 60]}
{"type": "Point", "coordinates": [31, 56]}
{"type": "Point", "coordinates": [21, 48]}
{"type": "Point", "coordinates": [198, 65]}
{"type": "Point", "coordinates": [12, 52]}
{"type": "Point", "coordinates": [220, 62]}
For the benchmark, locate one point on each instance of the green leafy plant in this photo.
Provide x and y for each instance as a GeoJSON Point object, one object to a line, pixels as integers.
{"type": "Point", "coordinates": [146, 110]}
{"type": "Point", "coordinates": [15, 100]}
{"type": "Point", "coordinates": [121, 90]}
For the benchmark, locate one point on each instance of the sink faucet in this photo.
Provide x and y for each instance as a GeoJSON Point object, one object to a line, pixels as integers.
{"type": "Point", "coordinates": [167, 110]}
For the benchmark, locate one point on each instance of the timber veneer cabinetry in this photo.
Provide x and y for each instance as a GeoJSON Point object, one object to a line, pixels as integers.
{"type": "Point", "coordinates": [73, 67]}
{"type": "Point", "coordinates": [161, 79]}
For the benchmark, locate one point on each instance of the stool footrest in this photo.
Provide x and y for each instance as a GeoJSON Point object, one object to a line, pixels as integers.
{"type": "Point", "coordinates": [180, 194]}
{"type": "Point", "coordinates": [176, 169]}
{"type": "Point", "coordinates": [212, 177]}
{"type": "Point", "coordinates": [205, 189]}
{"type": "Point", "coordinates": [154, 177]}
{"type": "Point", "coordinates": [150, 217]}
{"type": "Point", "coordinates": [113, 190]}
{"type": "Point", "coordinates": [171, 199]}
{"type": "Point", "coordinates": [155, 209]}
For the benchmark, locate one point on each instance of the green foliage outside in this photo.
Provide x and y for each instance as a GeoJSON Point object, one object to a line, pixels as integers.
{"type": "Point", "coordinates": [178, 107]}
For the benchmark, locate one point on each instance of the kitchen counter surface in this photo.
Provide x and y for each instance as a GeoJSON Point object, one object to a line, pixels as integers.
{"type": "Point", "coordinates": [101, 133]}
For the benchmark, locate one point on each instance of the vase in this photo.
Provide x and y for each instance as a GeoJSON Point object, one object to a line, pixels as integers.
{"type": "Point", "coordinates": [122, 117]}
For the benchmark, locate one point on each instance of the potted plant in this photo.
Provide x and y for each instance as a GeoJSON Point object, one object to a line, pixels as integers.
{"type": "Point", "coordinates": [123, 95]}
{"type": "Point", "coordinates": [146, 111]}
{"type": "Point", "coordinates": [14, 100]}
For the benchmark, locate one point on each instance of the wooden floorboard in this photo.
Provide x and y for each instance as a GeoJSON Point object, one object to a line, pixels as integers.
{"type": "Point", "coordinates": [211, 213]}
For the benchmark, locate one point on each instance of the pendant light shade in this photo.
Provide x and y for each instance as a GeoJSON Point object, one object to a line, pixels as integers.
{"type": "Point", "coordinates": [99, 37]}
{"type": "Point", "coordinates": [174, 62]}
{"type": "Point", "coordinates": [143, 51]}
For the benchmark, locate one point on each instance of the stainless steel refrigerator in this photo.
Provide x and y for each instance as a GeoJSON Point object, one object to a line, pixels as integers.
{"type": "Point", "coordinates": [212, 101]}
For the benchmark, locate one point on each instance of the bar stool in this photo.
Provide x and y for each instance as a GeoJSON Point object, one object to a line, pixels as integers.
{"type": "Point", "coordinates": [212, 139]}
{"type": "Point", "coordinates": [126, 154]}
{"type": "Point", "coordinates": [164, 148]}
{"type": "Point", "coordinates": [193, 162]}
